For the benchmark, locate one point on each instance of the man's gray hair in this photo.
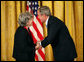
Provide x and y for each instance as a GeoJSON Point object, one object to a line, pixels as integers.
{"type": "Point", "coordinates": [44, 10]}
{"type": "Point", "coordinates": [24, 18]}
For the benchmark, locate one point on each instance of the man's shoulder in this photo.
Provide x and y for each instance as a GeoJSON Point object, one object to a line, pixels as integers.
{"type": "Point", "coordinates": [57, 23]}
{"type": "Point", "coordinates": [55, 20]}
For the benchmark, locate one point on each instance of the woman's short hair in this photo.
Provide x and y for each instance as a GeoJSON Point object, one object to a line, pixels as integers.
{"type": "Point", "coordinates": [44, 10]}
{"type": "Point", "coordinates": [24, 18]}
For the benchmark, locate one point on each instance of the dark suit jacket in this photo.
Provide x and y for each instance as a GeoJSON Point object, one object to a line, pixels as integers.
{"type": "Point", "coordinates": [24, 48]}
{"type": "Point", "coordinates": [60, 39]}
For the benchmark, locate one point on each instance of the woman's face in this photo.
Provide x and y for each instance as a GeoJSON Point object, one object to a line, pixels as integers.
{"type": "Point", "coordinates": [30, 22]}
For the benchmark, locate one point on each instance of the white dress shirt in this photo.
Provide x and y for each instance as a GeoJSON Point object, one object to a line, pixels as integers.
{"type": "Point", "coordinates": [47, 21]}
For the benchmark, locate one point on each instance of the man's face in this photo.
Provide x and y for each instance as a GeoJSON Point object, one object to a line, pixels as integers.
{"type": "Point", "coordinates": [41, 17]}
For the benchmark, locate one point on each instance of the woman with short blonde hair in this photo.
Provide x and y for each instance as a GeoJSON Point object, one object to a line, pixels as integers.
{"type": "Point", "coordinates": [24, 48]}
{"type": "Point", "coordinates": [24, 18]}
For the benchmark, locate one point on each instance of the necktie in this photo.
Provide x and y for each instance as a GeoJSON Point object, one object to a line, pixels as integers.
{"type": "Point", "coordinates": [45, 30]}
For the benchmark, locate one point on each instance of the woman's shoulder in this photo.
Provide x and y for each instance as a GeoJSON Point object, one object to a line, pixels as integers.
{"type": "Point", "coordinates": [20, 33]}
{"type": "Point", "coordinates": [20, 30]}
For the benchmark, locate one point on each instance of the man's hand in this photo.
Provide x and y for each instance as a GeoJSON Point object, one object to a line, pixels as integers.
{"type": "Point", "coordinates": [38, 46]}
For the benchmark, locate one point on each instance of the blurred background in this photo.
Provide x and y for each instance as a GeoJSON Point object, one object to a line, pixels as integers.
{"type": "Point", "coordinates": [70, 12]}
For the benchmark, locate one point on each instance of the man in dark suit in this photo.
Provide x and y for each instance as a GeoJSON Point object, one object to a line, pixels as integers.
{"type": "Point", "coordinates": [58, 36]}
{"type": "Point", "coordinates": [24, 48]}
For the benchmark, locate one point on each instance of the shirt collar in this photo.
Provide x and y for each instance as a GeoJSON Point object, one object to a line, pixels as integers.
{"type": "Point", "coordinates": [47, 21]}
